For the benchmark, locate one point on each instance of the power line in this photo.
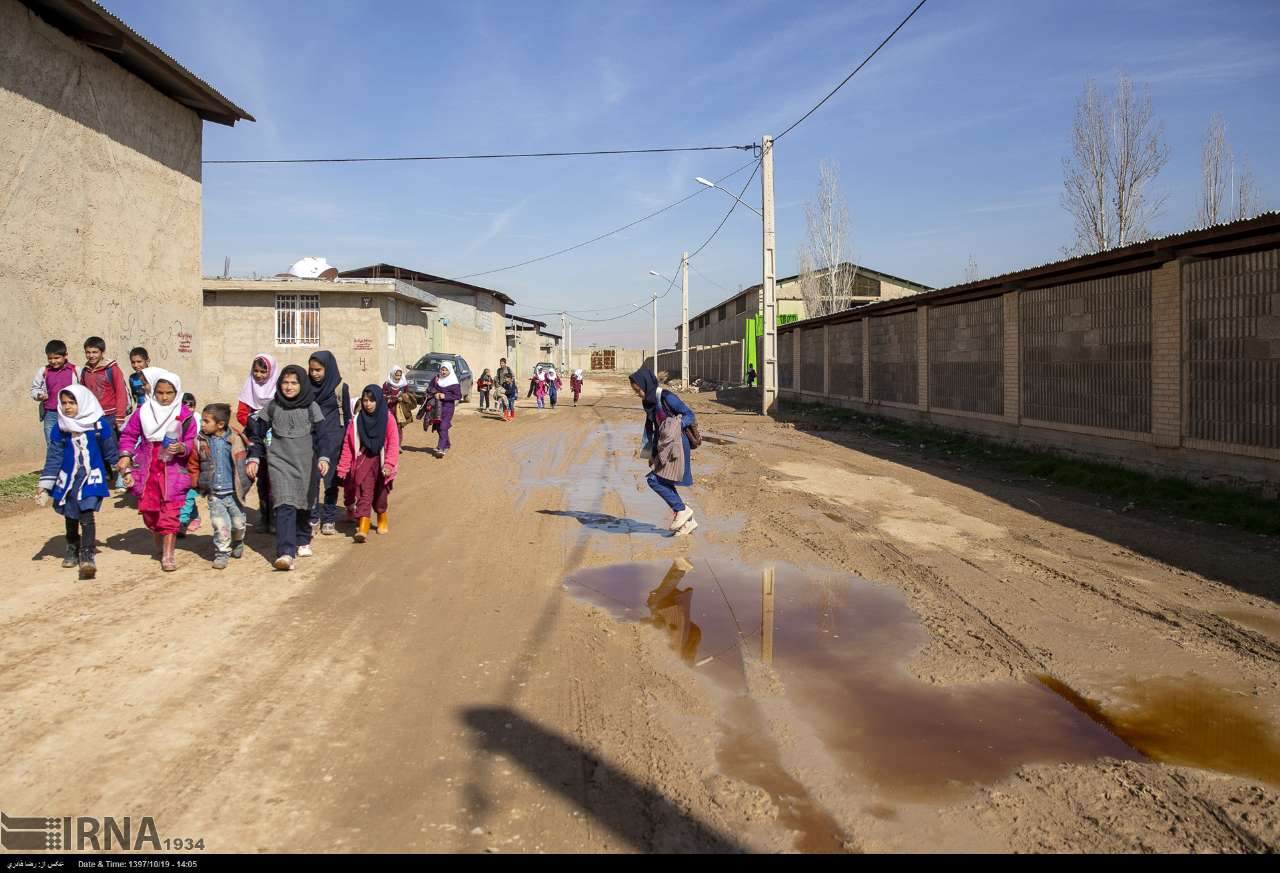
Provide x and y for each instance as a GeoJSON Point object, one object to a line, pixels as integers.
{"type": "Point", "coordinates": [865, 60]}
{"type": "Point", "coordinates": [484, 157]}
{"type": "Point", "coordinates": [736, 201]}
{"type": "Point", "coordinates": [709, 279]}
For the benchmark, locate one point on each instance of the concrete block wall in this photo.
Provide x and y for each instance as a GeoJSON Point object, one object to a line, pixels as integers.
{"type": "Point", "coordinates": [1173, 369]}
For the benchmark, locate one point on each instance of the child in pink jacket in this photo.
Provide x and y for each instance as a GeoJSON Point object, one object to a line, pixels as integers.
{"type": "Point", "coordinates": [370, 453]}
{"type": "Point", "coordinates": [161, 433]}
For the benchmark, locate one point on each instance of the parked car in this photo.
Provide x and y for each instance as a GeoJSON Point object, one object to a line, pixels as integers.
{"type": "Point", "coordinates": [542, 367]}
{"type": "Point", "coordinates": [421, 373]}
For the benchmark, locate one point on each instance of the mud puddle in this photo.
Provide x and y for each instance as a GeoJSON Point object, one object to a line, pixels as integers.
{"type": "Point", "coordinates": [838, 646]}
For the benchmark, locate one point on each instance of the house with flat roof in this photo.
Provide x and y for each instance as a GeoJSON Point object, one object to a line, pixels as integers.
{"type": "Point", "coordinates": [725, 338]}
{"type": "Point", "coordinates": [100, 151]}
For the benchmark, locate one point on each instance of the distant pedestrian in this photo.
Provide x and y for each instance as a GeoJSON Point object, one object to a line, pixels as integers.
{"type": "Point", "coordinates": [503, 372]}
{"type": "Point", "coordinates": [666, 444]}
{"type": "Point", "coordinates": [540, 389]}
{"type": "Point", "coordinates": [485, 385]}
{"type": "Point", "coordinates": [553, 386]}
{"type": "Point", "coordinates": [751, 375]}
{"type": "Point", "coordinates": [370, 454]}
{"type": "Point", "coordinates": [445, 389]}
{"type": "Point", "coordinates": [575, 384]}
{"type": "Point", "coordinates": [400, 399]}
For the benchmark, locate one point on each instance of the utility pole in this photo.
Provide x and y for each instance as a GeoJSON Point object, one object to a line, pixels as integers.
{"type": "Point", "coordinates": [568, 337]}
{"type": "Point", "coordinates": [562, 336]}
{"type": "Point", "coordinates": [684, 319]}
{"type": "Point", "coordinates": [655, 335]}
{"type": "Point", "coordinates": [768, 302]}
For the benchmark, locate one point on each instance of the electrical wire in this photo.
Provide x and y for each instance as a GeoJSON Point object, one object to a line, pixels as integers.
{"type": "Point", "coordinates": [483, 157]}
{"type": "Point", "coordinates": [865, 61]}
{"type": "Point", "coordinates": [606, 234]}
{"type": "Point", "coordinates": [709, 279]}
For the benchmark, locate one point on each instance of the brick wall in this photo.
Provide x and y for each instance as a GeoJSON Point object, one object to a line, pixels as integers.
{"type": "Point", "coordinates": [894, 358]}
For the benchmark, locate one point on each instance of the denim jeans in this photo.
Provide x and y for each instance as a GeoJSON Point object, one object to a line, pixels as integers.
{"type": "Point", "coordinates": [48, 422]}
{"type": "Point", "coordinates": [292, 530]}
{"type": "Point", "coordinates": [326, 509]}
{"type": "Point", "coordinates": [227, 516]}
{"type": "Point", "coordinates": [666, 489]}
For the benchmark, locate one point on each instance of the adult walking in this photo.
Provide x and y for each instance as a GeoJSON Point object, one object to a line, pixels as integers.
{"type": "Point", "coordinates": [444, 388]}
{"type": "Point", "coordinates": [503, 372]}
{"type": "Point", "coordinates": [666, 443]}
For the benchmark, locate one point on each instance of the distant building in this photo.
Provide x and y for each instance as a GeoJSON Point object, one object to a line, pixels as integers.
{"type": "Point", "coordinates": [725, 339]}
{"type": "Point", "coordinates": [100, 147]}
{"type": "Point", "coordinates": [470, 320]}
{"type": "Point", "coordinates": [529, 344]}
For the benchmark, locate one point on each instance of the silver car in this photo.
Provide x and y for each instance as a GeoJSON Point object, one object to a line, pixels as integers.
{"type": "Point", "coordinates": [421, 373]}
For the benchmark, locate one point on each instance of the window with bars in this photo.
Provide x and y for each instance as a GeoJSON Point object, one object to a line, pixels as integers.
{"type": "Point", "coordinates": [297, 319]}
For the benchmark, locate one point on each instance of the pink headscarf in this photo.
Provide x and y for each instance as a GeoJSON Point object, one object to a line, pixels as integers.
{"type": "Point", "coordinates": [256, 396]}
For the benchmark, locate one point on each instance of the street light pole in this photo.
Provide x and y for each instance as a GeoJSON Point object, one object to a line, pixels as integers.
{"type": "Point", "coordinates": [655, 335]}
{"type": "Point", "coordinates": [562, 339]}
{"type": "Point", "coordinates": [684, 319]}
{"type": "Point", "coordinates": [768, 301]}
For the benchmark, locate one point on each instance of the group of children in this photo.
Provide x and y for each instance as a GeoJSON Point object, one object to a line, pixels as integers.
{"type": "Point", "coordinates": [295, 432]}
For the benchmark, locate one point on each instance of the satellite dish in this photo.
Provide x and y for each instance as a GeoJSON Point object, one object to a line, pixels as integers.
{"type": "Point", "coordinates": [313, 268]}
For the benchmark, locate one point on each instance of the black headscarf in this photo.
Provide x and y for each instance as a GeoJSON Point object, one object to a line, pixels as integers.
{"type": "Point", "coordinates": [371, 427]}
{"type": "Point", "coordinates": [326, 389]}
{"type": "Point", "coordinates": [644, 378]}
{"type": "Point", "coordinates": [306, 394]}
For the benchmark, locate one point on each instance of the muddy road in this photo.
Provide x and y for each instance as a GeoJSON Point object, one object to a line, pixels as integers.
{"type": "Point", "coordinates": [859, 650]}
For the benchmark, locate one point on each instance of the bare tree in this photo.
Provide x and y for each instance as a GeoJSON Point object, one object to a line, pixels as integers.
{"type": "Point", "coordinates": [1117, 152]}
{"type": "Point", "coordinates": [971, 270]}
{"type": "Point", "coordinates": [1215, 160]}
{"type": "Point", "coordinates": [826, 280]}
{"type": "Point", "coordinates": [1246, 195]}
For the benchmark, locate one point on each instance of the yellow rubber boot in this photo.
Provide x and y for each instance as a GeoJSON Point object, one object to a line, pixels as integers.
{"type": "Point", "coordinates": [383, 527]}
{"type": "Point", "coordinates": [362, 529]}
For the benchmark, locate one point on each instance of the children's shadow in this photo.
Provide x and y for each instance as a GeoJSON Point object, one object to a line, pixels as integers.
{"type": "Point", "coordinates": [56, 547]}
{"type": "Point", "coordinates": [608, 523]}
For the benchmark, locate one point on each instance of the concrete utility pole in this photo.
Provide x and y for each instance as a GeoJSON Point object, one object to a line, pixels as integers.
{"type": "Point", "coordinates": [768, 302]}
{"type": "Point", "coordinates": [568, 338]}
{"type": "Point", "coordinates": [684, 318]}
{"type": "Point", "coordinates": [655, 334]}
{"type": "Point", "coordinates": [562, 338]}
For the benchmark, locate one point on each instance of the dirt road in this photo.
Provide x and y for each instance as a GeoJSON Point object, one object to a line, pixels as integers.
{"type": "Point", "coordinates": [858, 650]}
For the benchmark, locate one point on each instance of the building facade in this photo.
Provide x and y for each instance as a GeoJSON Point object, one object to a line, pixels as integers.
{"type": "Point", "coordinates": [100, 233]}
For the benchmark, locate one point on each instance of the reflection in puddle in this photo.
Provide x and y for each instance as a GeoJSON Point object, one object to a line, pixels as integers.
{"type": "Point", "coordinates": [1187, 721]}
{"type": "Point", "coordinates": [839, 644]}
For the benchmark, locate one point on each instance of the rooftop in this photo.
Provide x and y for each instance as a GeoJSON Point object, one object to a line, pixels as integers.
{"type": "Point", "coordinates": [375, 271]}
{"type": "Point", "coordinates": [289, 285]}
{"type": "Point", "coordinates": [87, 22]}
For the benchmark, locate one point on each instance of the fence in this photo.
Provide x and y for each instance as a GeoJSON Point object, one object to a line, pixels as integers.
{"type": "Point", "coordinates": [1163, 355]}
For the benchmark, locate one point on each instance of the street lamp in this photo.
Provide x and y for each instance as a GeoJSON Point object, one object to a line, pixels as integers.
{"type": "Point", "coordinates": [710, 184]}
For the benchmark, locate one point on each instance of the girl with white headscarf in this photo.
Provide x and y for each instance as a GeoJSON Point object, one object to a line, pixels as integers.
{"type": "Point", "coordinates": [159, 440]}
{"type": "Point", "coordinates": [399, 399]}
{"type": "Point", "coordinates": [444, 388]}
{"type": "Point", "coordinates": [77, 471]}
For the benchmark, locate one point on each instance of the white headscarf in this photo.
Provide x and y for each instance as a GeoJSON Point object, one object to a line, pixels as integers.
{"type": "Point", "coordinates": [578, 373]}
{"type": "Point", "coordinates": [87, 415]}
{"type": "Point", "coordinates": [256, 396]}
{"type": "Point", "coordinates": [446, 381]}
{"type": "Point", "coordinates": [158, 420]}
{"type": "Point", "coordinates": [391, 377]}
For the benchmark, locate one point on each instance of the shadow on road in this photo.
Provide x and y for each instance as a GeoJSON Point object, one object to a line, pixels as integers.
{"type": "Point", "coordinates": [638, 815]}
{"type": "Point", "coordinates": [608, 523]}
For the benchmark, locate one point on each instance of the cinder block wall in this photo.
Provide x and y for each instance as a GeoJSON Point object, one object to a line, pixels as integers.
{"type": "Point", "coordinates": [1174, 369]}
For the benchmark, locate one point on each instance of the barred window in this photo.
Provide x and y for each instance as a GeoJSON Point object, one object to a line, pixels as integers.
{"type": "Point", "coordinates": [297, 319]}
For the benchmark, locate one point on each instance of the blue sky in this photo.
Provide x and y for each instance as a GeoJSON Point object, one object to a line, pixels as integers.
{"type": "Point", "coordinates": [949, 143]}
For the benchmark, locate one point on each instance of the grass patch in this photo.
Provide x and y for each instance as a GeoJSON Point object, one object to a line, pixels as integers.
{"type": "Point", "coordinates": [18, 487]}
{"type": "Point", "coordinates": [1215, 505]}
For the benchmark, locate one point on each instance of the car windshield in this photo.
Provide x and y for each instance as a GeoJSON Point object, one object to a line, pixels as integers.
{"type": "Point", "coordinates": [432, 363]}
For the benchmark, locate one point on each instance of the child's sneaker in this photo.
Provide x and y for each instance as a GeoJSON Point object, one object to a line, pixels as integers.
{"type": "Point", "coordinates": [681, 518]}
{"type": "Point", "coordinates": [237, 546]}
{"type": "Point", "coordinates": [72, 558]}
{"type": "Point", "coordinates": [193, 525]}
{"type": "Point", "coordinates": [284, 562]}
{"type": "Point", "coordinates": [315, 528]}
{"type": "Point", "coordinates": [220, 562]}
{"type": "Point", "coordinates": [328, 528]}
{"type": "Point", "coordinates": [88, 569]}
{"type": "Point", "coordinates": [305, 551]}
{"type": "Point", "coordinates": [687, 528]}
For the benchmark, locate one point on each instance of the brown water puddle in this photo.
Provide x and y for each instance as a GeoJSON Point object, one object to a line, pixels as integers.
{"type": "Point", "coordinates": [1187, 721]}
{"type": "Point", "coordinates": [839, 645]}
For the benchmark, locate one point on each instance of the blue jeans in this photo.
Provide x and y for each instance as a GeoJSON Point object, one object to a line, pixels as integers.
{"type": "Point", "coordinates": [666, 489]}
{"type": "Point", "coordinates": [292, 530]}
{"type": "Point", "coordinates": [228, 519]}
{"type": "Point", "coordinates": [49, 421]}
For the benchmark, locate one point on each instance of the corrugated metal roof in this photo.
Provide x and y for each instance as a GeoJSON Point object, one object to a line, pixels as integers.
{"type": "Point", "coordinates": [88, 22]}
{"type": "Point", "coordinates": [392, 271]}
{"type": "Point", "coordinates": [1261, 230]}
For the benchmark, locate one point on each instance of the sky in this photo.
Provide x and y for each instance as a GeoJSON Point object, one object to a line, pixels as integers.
{"type": "Point", "coordinates": [949, 143]}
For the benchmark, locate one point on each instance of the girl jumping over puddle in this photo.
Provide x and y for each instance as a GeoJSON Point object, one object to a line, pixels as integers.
{"type": "Point", "coordinates": [666, 444]}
